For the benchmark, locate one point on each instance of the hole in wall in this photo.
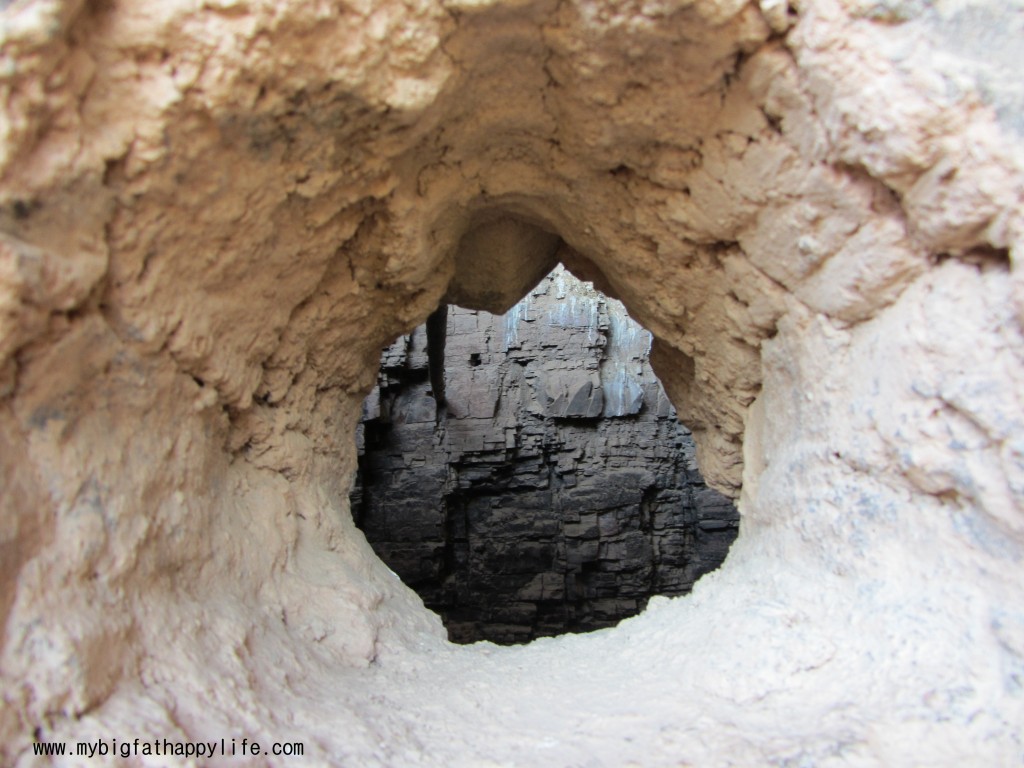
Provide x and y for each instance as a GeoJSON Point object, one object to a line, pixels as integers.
{"type": "Point", "coordinates": [550, 488]}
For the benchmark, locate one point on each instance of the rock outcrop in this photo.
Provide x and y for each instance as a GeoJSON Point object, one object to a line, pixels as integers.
{"type": "Point", "coordinates": [215, 214]}
{"type": "Point", "coordinates": [557, 491]}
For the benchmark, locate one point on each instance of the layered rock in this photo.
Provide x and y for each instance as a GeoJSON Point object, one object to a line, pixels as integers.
{"type": "Point", "coordinates": [555, 490]}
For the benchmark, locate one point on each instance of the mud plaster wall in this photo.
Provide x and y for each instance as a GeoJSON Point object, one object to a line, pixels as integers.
{"type": "Point", "coordinates": [215, 213]}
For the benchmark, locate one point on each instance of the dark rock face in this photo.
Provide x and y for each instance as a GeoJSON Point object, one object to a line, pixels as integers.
{"type": "Point", "coordinates": [555, 491]}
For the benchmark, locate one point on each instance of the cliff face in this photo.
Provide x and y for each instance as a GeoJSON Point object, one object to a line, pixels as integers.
{"type": "Point", "coordinates": [214, 215]}
{"type": "Point", "coordinates": [556, 491]}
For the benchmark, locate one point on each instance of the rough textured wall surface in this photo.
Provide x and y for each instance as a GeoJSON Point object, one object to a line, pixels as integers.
{"type": "Point", "coordinates": [215, 214]}
{"type": "Point", "coordinates": [556, 491]}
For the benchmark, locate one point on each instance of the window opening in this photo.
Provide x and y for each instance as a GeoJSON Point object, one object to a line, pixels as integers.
{"type": "Point", "coordinates": [552, 488]}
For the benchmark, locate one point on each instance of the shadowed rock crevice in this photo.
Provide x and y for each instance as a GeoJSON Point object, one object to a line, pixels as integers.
{"type": "Point", "coordinates": [552, 489]}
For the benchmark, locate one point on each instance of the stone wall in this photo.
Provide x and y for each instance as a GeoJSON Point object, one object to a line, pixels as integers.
{"type": "Point", "coordinates": [555, 491]}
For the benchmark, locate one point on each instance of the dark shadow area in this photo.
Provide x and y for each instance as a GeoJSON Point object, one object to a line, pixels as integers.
{"type": "Point", "coordinates": [550, 487]}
